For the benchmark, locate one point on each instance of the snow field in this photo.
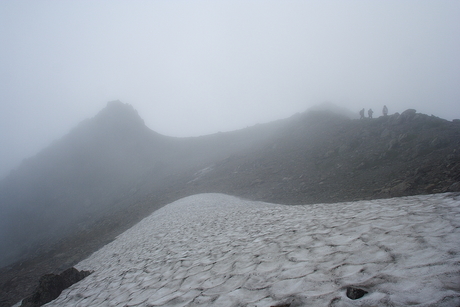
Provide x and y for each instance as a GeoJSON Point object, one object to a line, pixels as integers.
{"type": "Point", "coordinates": [218, 250]}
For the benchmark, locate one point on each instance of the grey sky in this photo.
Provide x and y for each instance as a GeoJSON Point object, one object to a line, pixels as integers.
{"type": "Point", "coordinates": [198, 67]}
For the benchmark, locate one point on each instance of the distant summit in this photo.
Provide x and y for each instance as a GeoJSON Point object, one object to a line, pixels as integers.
{"type": "Point", "coordinates": [77, 178]}
{"type": "Point", "coordinates": [120, 115]}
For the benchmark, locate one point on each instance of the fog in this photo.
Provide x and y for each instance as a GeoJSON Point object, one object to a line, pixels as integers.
{"type": "Point", "coordinates": [198, 67]}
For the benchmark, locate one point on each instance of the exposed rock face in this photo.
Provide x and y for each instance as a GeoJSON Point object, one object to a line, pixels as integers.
{"type": "Point", "coordinates": [407, 115]}
{"type": "Point", "coordinates": [51, 285]}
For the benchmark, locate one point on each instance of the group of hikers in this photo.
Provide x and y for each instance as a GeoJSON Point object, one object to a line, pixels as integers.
{"type": "Point", "coordinates": [370, 112]}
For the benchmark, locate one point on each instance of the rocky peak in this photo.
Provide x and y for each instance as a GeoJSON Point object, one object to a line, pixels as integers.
{"type": "Point", "coordinates": [120, 114]}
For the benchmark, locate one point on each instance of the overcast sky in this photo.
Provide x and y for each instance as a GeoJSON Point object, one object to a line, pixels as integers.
{"type": "Point", "coordinates": [198, 67]}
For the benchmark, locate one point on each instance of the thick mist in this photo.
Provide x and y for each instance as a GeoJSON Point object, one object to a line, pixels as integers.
{"type": "Point", "coordinates": [196, 68]}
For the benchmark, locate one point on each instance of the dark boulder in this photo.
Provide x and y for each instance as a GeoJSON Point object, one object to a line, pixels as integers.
{"type": "Point", "coordinates": [407, 115]}
{"type": "Point", "coordinates": [51, 285]}
{"type": "Point", "coordinates": [355, 293]}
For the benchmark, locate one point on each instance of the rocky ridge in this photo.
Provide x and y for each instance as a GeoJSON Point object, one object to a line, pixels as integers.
{"type": "Point", "coordinates": [326, 158]}
{"type": "Point", "coordinates": [309, 158]}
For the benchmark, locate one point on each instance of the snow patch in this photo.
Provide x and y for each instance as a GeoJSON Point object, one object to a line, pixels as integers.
{"type": "Point", "coordinates": [198, 175]}
{"type": "Point", "coordinates": [218, 250]}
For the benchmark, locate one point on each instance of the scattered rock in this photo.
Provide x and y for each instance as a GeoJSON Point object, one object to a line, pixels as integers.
{"type": "Point", "coordinates": [454, 187]}
{"type": "Point", "coordinates": [51, 285]}
{"type": "Point", "coordinates": [393, 144]}
{"type": "Point", "coordinates": [407, 115]}
{"type": "Point", "coordinates": [402, 137]}
{"type": "Point", "coordinates": [429, 188]}
{"type": "Point", "coordinates": [385, 133]}
{"type": "Point", "coordinates": [355, 293]}
{"type": "Point", "coordinates": [438, 142]}
{"type": "Point", "coordinates": [400, 188]}
{"type": "Point", "coordinates": [420, 150]}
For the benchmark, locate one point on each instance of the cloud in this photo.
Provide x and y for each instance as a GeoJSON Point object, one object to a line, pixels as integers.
{"type": "Point", "coordinates": [194, 68]}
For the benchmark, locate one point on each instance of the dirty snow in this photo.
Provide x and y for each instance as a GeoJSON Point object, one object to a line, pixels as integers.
{"type": "Point", "coordinates": [218, 250]}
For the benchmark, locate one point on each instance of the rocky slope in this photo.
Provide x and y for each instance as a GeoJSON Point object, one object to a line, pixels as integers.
{"type": "Point", "coordinates": [324, 158]}
{"type": "Point", "coordinates": [111, 171]}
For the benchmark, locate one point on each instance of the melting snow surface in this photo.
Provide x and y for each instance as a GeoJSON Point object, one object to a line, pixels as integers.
{"type": "Point", "coordinates": [218, 250]}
